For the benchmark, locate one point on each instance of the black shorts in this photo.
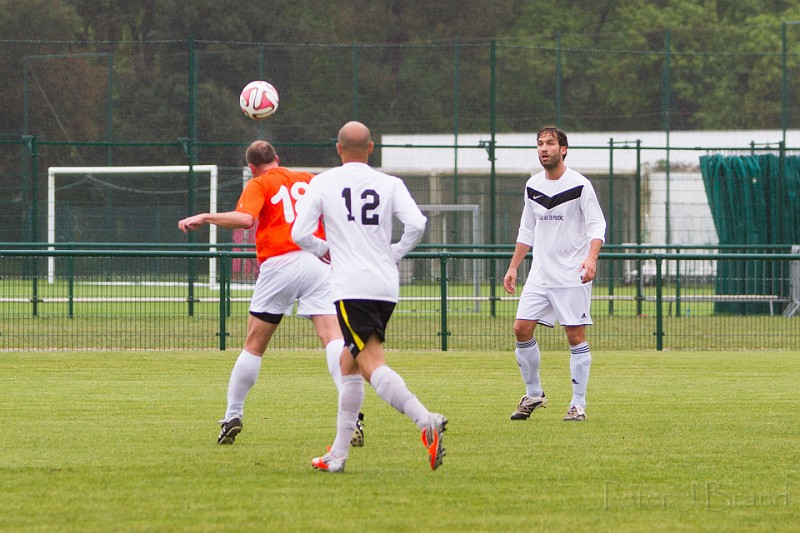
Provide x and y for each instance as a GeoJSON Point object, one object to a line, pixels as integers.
{"type": "Point", "coordinates": [360, 319]}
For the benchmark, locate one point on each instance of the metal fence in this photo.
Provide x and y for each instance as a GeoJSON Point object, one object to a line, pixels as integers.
{"type": "Point", "coordinates": [126, 299]}
{"type": "Point", "coordinates": [90, 104]}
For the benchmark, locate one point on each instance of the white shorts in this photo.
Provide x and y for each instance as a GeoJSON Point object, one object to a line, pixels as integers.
{"type": "Point", "coordinates": [569, 305]}
{"type": "Point", "coordinates": [295, 276]}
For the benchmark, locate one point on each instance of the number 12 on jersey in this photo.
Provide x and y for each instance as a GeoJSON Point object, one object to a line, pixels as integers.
{"type": "Point", "coordinates": [369, 203]}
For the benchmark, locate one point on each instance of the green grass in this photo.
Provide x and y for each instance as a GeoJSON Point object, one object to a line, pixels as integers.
{"type": "Point", "coordinates": [125, 441]}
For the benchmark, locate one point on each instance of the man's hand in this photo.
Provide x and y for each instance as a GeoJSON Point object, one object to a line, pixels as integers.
{"type": "Point", "coordinates": [191, 223]}
{"type": "Point", "coordinates": [228, 220]}
{"type": "Point", "coordinates": [510, 281]}
{"type": "Point", "coordinates": [588, 269]}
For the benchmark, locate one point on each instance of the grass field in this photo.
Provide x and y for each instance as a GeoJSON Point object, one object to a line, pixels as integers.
{"type": "Point", "coordinates": [125, 441]}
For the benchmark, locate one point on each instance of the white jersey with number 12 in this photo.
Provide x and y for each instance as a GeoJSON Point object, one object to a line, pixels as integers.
{"type": "Point", "coordinates": [358, 204]}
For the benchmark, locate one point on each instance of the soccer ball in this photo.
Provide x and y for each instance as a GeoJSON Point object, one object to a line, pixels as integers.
{"type": "Point", "coordinates": [259, 100]}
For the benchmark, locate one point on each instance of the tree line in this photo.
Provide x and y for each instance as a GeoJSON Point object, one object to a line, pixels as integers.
{"type": "Point", "coordinates": [150, 70]}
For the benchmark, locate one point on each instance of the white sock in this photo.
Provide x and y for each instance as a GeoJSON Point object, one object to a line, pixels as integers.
{"type": "Point", "coordinates": [243, 377]}
{"type": "Point", "coordinates": [332, 352]}
{"type": "Point", "coordinates": [351, 396]}
{"type": "Point", "coordinates": [580, 361]}
{"type": "Point", "coordinates": [392, 389]}
{"type": "Point", "coordinates": [529, 358]}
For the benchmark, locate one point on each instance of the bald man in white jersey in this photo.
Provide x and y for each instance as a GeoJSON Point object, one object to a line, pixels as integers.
{"type": "Point", "coordinates": [563, 223]}
{"type": "Point", "coordinates": [358, 204]}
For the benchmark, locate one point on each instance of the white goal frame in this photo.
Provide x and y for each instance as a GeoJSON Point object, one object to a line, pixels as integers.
{"type": "Point", "coordinates": [475, 211]}
{"type": "Point", "coordinates": [794, 285]}
{"type": "Point", "coordinates": [52, 172]}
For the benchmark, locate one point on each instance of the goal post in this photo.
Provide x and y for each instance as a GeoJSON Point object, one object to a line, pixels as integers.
{"type": "Point", "coordinates": [439, 234]}
{"type": "Point", "coordinates": [794, 285]}
{"type": "Point", "coordinates": [474, 210]}
{"type": "Point", "coordinates": [54, 172]}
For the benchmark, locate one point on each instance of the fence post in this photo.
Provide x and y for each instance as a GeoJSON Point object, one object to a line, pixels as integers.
{"type": "Point", "coordinates": [110, 112]}
{"type": "Point", "coordinates": [677, 285]}
{"type": "Point", "coordinates": [262, 75]}
{"type": "Point", "coordinates": [443, 298]}
{"type": "Point", "coordinates": [639, 276]}
{"type": "Point", "coordinates": [71, 285]}
{"type": "Point", "coordinates": [659, 311]}
{"type": "Point", "coordinates": [33, 151]}
{"type": "Point", "coordinates": [456, 114]}
{"type": "Point", "coordinates": [354, 81]}
{"type": "Point", "coordinates": [493, 173]}
{"type": "Point", "coordinates": [781, 188]}
{"type": "Point", "coordinates": [611, 216]}
{"type": "Point", "coordinates": [666, 108]}
{"type": "Point", "coordinates": [559, 79]}
{"type": "Point", "coordinates": [223, 261]}
{"type": "Point", "coordinates": [784, 84]}
{"type": "Point", "coordinates": [191, 156]}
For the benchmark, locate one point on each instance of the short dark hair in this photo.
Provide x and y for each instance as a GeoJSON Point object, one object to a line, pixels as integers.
{"type": "Point", "coordinates": [556, 132]}
{"type": "Point", "coordinates": [260, 153]}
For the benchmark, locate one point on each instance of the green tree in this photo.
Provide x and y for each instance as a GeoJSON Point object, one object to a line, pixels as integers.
{"type": "Point", "coordinates": [722, 64]}
{"type": "Point", "coordinates": [59, 97]}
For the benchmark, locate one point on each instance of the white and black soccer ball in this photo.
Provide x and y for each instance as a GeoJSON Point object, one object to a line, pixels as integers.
{"type": "Point", "coordinates": [259, 100]}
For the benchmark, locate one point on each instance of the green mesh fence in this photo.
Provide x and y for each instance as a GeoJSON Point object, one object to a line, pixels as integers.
{"type": "Point", "coordinates": [753, 200]}
{"type": "Point", "coordinates": [117, 300]}
{"type": "Point", "coordinates": [174, 102]}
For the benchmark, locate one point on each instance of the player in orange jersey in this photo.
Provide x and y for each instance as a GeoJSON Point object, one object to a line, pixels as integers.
{"type": "Point", "coordinates": [286, 274]}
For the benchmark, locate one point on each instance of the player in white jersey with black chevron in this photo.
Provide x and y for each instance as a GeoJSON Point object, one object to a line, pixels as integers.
{"type": "Point", "coordinates": [357, 204]}
{"type": "Point", "coordinates": [563, 223]}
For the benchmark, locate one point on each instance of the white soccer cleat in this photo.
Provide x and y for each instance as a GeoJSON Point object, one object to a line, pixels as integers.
{"type": "Point", "coordinates": [432, 439]}
{"type": "Point", "coordinates": [327, 463]}
{"type": "Point", "coordinates": [575, 414]}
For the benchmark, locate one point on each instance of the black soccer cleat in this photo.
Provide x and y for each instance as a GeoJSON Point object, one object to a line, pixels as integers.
{"type": "Point", "coordinates": [357, 440]}
{"type": "Point", "coordinates": [230, 428]}
{"type": "Point", "coordinates": [527, 405]}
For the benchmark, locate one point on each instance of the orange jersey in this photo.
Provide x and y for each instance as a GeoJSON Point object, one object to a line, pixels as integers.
{"type": "Point", "coordinates": [270, 198]}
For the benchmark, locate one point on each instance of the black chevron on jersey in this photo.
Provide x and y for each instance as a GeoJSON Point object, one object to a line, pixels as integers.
{"type": "Point", "coordinates": [561, 198]}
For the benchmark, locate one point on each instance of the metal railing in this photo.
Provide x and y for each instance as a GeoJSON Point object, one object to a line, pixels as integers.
{"type": "Point", "coordinates": [164, 299]}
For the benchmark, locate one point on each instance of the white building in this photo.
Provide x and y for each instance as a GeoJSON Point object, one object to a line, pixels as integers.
{"type": "Point", "coordinates": [682, 191]}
